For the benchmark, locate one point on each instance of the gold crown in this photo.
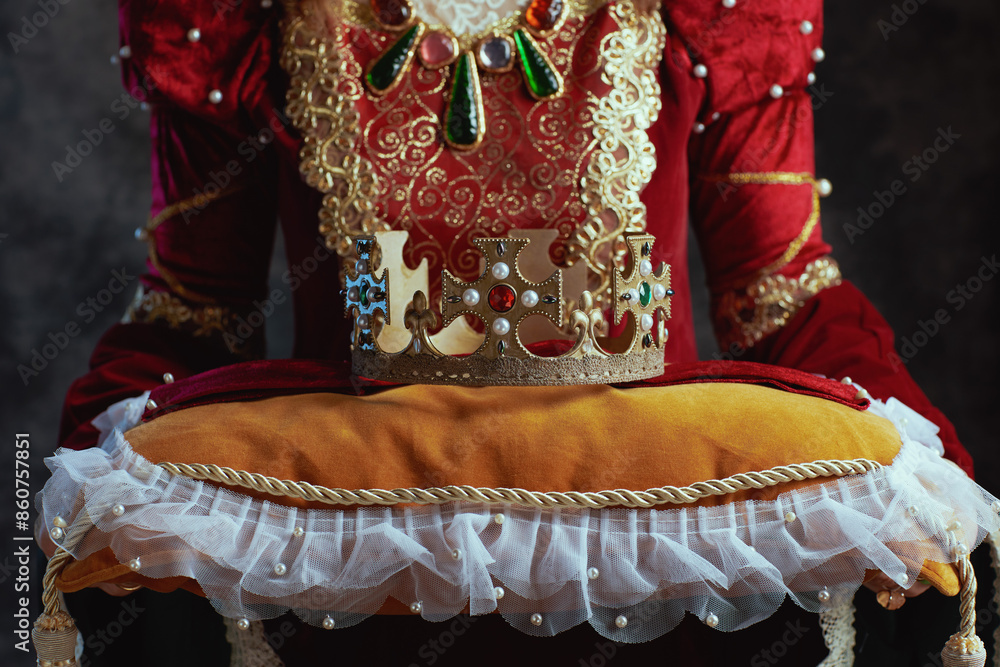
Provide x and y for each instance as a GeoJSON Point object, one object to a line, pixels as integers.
{"type": "Point", "coordinates": [505, 301]}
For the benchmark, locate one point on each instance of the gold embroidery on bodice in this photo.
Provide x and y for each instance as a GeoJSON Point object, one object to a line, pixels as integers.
{"type": "Point", "coordinates": [575, 163]}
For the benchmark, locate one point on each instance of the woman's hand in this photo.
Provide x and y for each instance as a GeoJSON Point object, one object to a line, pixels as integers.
{"type": "Point", "coordinates": [891, 595]}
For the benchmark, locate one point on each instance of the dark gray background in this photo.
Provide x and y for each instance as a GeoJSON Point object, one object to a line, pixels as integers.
{"type": "Point", "coordinates": [888, 93]}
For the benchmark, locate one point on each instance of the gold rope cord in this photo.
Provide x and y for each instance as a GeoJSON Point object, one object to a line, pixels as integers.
{"type": "Point", "coordinates": [964, 648]}
{"type": "Point", "coordinates": [54, 634]}
{"type": "Point", "coordinates": [575, 499]}
{"type": "Point", "coordinates": [50, 596]}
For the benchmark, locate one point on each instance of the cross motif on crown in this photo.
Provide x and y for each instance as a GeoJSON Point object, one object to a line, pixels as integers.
{"type": "Point", "coordinates": [501, 297]}
{"type": "Point", "coordinates": [367, 296]}
{"type": "Point", "coordinates": [642, 291]}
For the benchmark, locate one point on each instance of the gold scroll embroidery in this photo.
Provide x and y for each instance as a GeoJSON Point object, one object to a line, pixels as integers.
{"type": "Point", "coordinates": [590, 154]}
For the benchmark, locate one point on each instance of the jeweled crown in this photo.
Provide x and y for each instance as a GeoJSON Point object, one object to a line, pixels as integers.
{"type": "Point", "coordinates": [506, 303]}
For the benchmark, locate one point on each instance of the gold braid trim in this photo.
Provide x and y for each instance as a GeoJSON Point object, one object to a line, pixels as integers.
{"type": "Point", "coordinates": [199, 201]}
{"type": "Point", "coordinates": [575, 499]}
{"type": "Point", "coordinates": [779, 178]}
{"type": "Point", "coordinates": [745, 316]}
{"type": "Point", "coordinates": [163, 306]}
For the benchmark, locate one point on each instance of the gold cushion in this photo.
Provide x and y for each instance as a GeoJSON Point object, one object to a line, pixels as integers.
{"type": "Point", "coordinates": [572, 438]}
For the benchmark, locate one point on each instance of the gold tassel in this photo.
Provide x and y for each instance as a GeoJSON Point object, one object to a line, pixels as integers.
{"type": "Point", "coordinates": [54, 634]}
{"type": "Point", "coordinates": [965, 648]}
{"type": "Point", "coordinates": [54, 637]}
{"type": "Point", "coordinates": [964, 652]}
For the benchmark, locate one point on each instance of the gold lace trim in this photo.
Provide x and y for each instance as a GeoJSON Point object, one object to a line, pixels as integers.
{"type": "Point", "coordinates": [321, 106]}
{"type": "Point", "coordinates": [626, 158]}
{"type": "Point", "coordinates": [767, 304]}
{"type": "Point", "coordinates": [199, 321]}
{"type": "Point", "coordinates": [607, 161]}
{"type": "Point", "coordinates": [162, 306]}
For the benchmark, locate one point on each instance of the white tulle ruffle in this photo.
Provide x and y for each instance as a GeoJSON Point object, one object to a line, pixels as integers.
{"type": "Point", "coordinates": [631, 573]}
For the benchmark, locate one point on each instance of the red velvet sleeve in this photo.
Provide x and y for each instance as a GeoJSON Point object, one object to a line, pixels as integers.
{"type": "Point", "coordinates": [209, 77]}
{"type": "Point", "coordinates": [776, 296]}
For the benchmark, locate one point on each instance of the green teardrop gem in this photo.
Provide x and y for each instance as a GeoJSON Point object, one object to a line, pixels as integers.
{"type": "Point", "coordinates": [645, 293]}
{"type": "Point", "coordinates": [392, 63]}
{"type": "Point", "coordinates": [463, 119]}
{"type": "Point", "coordinates": [541, 78]}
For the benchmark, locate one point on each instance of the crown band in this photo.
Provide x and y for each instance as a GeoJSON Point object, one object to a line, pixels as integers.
{"type": "Point", "coordinates": [502, 298]}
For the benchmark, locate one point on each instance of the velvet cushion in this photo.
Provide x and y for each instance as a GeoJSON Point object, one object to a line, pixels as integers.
{"type": "Point", "coordinates": [577, 438]}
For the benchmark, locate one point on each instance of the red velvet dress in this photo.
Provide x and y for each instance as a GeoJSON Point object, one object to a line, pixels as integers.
{"type": "Point", "coordinates": [719, 133]}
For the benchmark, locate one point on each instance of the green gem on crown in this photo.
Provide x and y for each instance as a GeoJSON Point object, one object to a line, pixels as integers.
{"type": "Point", "coordinates": [364, 294]}
{"type": "Point", "coordinates": [645, 293]}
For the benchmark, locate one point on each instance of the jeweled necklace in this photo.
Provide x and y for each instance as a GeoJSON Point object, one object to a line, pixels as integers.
{"type": "Point", "coordinates": [465, 118]}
